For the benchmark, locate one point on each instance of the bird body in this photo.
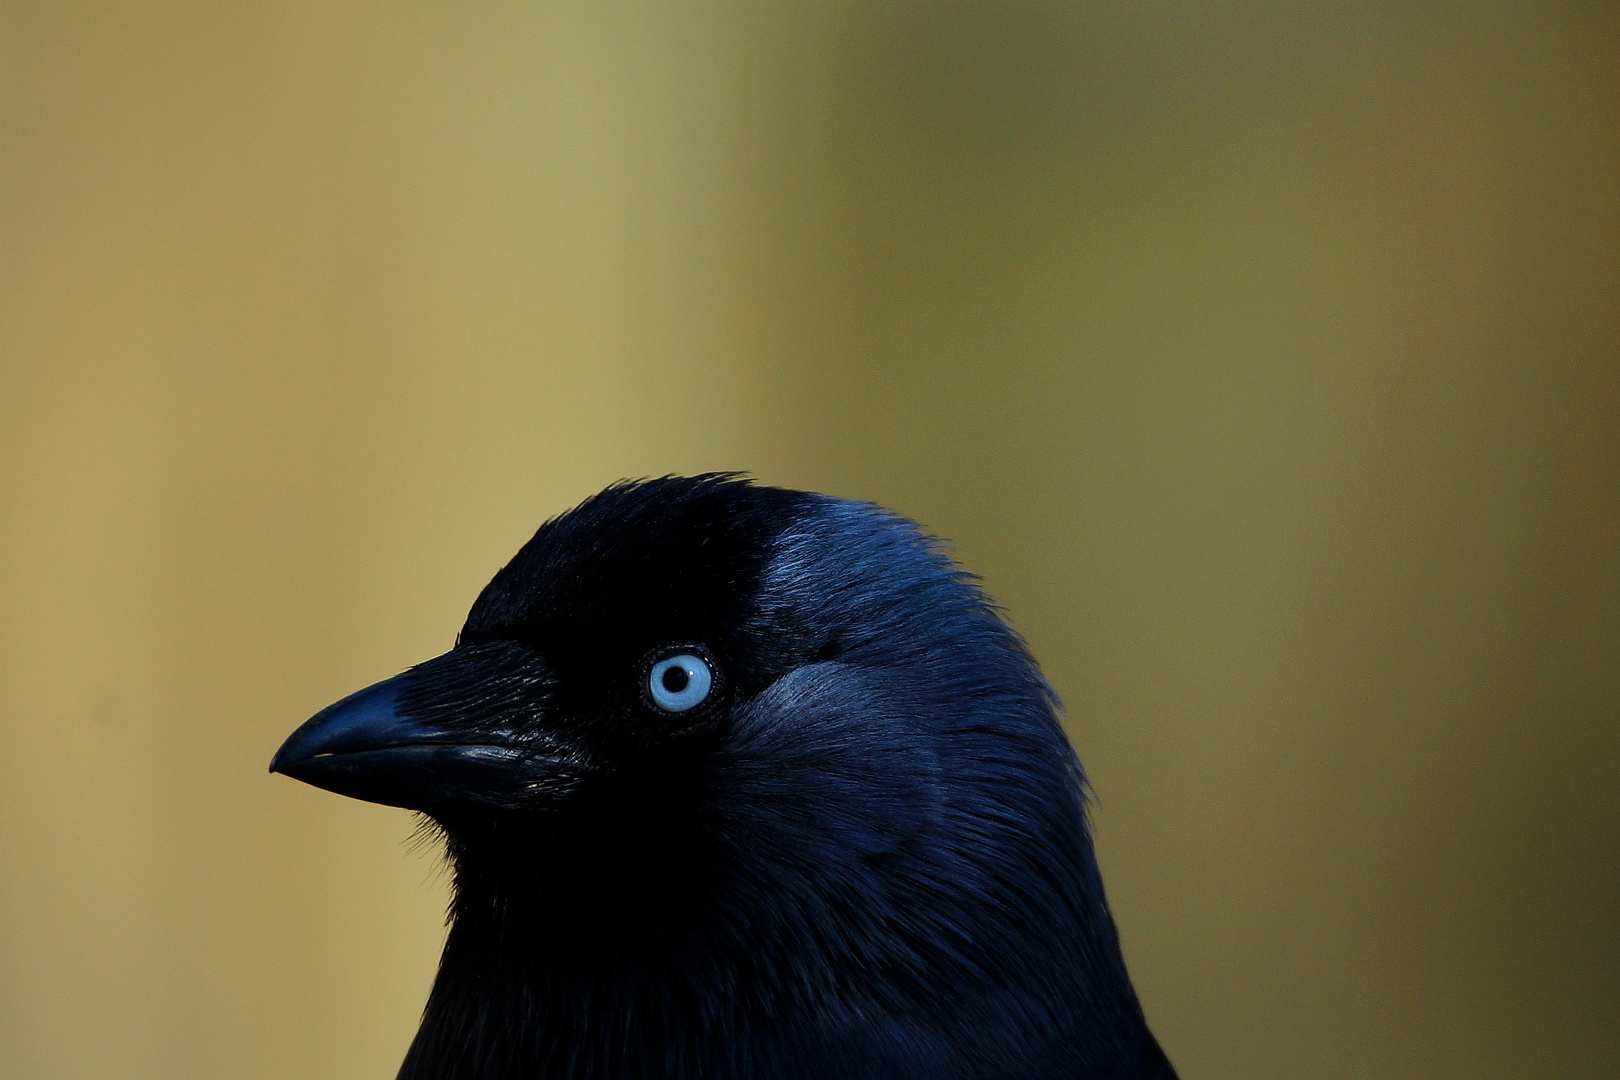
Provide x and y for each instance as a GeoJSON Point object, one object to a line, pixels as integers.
{"type": "Point", "coordinates": [736, 783]}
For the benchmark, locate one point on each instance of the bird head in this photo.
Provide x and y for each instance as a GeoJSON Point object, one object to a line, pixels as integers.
{"type": "Point", "coordinates": [724, 754]}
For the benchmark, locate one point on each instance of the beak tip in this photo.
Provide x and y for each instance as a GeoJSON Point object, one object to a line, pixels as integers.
{"type": "Point", "coordinates": [355, 723]}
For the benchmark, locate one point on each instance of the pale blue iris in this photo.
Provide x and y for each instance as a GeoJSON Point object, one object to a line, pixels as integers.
{"type": "Point", "coordinates": [679, 682]}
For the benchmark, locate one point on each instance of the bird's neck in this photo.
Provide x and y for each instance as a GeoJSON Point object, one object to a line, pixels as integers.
{"type": "Point", "coordinates": [537, 992]}
{"type": "Point", "coordinates": [578, 982]}
{"type": "Point", "coordinates": [566, 962]}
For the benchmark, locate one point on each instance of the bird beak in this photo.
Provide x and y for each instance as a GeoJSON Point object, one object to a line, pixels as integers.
{"type": "Point", "coordinates": [368, 747]}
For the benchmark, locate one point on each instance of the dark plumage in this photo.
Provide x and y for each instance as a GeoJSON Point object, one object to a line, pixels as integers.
{"type": "Point", "coordinates": [862, 853]}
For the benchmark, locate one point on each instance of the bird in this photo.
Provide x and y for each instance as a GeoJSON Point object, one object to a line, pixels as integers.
{"type": "Point", "coordinates": [738, 782]}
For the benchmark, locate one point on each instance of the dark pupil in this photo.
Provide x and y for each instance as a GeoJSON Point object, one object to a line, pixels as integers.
{"type": "Point", "coordinates": [675, 678]}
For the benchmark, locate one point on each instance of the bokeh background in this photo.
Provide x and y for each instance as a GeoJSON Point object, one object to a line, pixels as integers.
{"type": "Point", "coordinates": [1263, 358]}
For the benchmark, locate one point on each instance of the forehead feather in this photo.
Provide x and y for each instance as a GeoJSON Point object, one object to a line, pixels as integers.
{"type": "Point", "coordinates": [640, 558]}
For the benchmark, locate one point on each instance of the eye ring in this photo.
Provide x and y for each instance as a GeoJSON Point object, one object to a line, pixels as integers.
{"type": "Point", "coordinates": [680, 681]}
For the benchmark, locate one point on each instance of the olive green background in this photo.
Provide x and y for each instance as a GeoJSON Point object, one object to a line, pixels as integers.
{"type": "Point", "coordinates": [1263, 358]}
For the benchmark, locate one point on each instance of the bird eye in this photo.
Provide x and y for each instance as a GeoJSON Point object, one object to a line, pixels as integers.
{"type": "Point", "coordinates": [680, 682]}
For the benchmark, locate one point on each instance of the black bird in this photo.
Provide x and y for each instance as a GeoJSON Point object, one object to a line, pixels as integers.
{"type": "Point", "coordinates": [740, 782]}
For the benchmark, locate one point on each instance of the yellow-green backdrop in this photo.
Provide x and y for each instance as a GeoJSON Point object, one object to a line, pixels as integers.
{"type": "Point", "coordinates": [1263, 358]}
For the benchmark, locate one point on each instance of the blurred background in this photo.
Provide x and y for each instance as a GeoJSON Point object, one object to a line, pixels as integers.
{"type": "Point", "coordinates": [1263, 358]}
